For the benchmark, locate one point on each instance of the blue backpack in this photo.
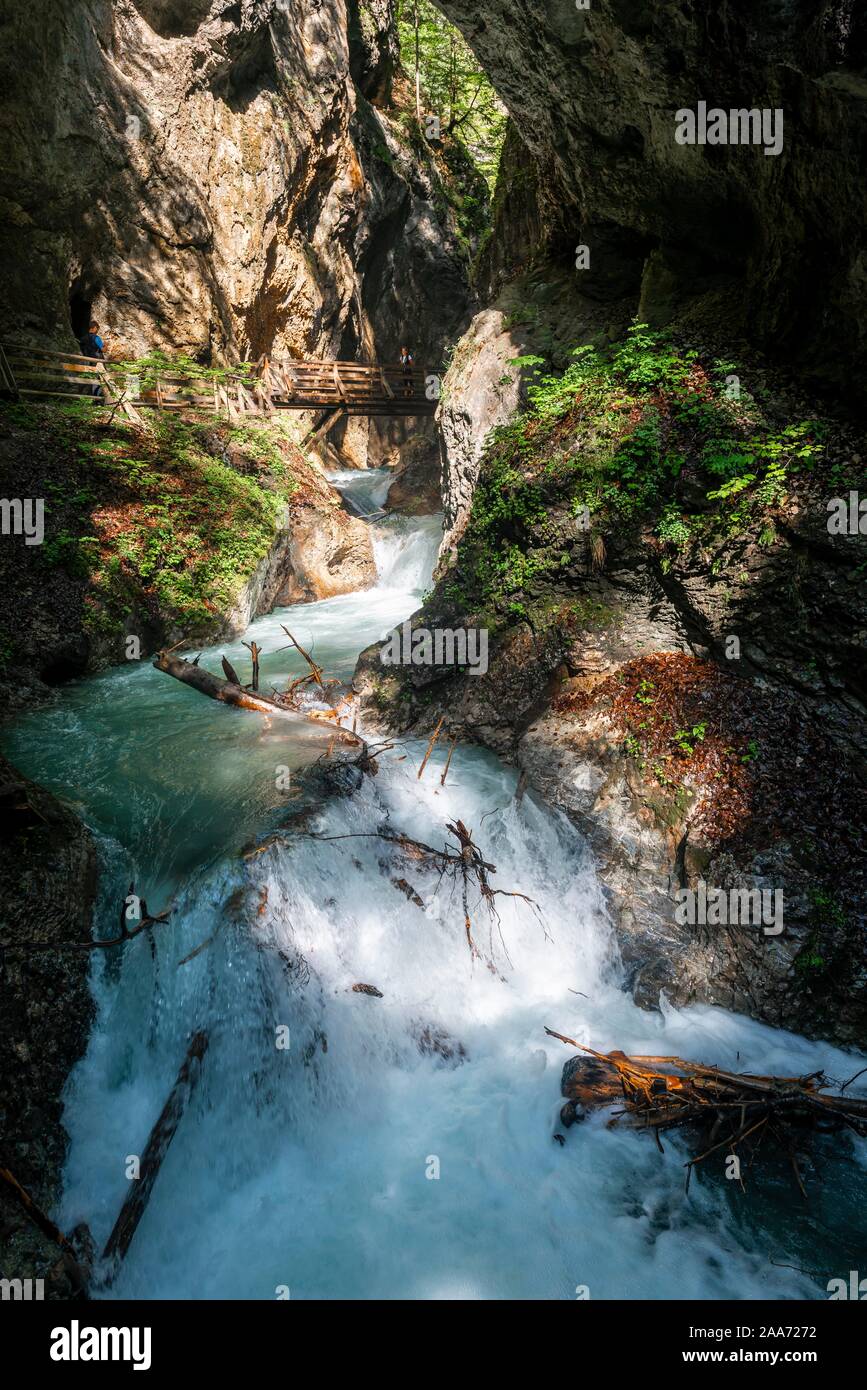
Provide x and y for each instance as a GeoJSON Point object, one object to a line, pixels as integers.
{"type": "Point", "coordinates": [89, 346]}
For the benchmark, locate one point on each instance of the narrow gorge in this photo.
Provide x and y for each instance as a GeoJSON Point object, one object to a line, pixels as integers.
{"type": "Point", "coordinates": [469, 400]}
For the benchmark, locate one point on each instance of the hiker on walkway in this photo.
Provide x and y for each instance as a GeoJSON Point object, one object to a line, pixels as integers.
{"type": "Point", "coordinates": [406, 361]}
{"type": "Point", "coordinates": [92, 346]}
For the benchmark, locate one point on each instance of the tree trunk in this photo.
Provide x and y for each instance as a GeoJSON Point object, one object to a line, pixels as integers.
{"type": "Point", "coordinates": [161, 1137]}
{"type": "Point", "coordinates": [230, 694]}
{"type": "Point", "coordinates": [216, 689]}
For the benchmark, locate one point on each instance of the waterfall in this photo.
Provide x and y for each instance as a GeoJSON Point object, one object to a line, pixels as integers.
{"type": "Point", "coordinates": [345, 1145]}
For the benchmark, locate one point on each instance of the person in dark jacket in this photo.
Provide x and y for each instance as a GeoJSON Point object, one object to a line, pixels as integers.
{"type": "Point", "coordinates": [93, 346]}
{"type": "Point", "coordinates": [406, 361]}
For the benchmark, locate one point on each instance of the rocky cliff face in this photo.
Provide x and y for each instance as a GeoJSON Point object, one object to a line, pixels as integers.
{"type": "Point", "coordinates": [215, 179]}
{"type": "Point", "coordinates": [734, 250]}
{"type": "Point", "coordinates": [687, 683]}
{"type": "Point", "coordinates": [48, 881]}
{"type": "Point", "coordinates": [593, 93]}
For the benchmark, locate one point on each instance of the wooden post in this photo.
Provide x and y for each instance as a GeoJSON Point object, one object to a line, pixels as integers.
{"type": "Point", "coordinates": [319, 431]}
{"type": "Point", "coordinates": [116, 395]}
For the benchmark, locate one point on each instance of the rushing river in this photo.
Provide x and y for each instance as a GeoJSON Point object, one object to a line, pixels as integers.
{"type": "Point", "coordinates": [398, 1147]}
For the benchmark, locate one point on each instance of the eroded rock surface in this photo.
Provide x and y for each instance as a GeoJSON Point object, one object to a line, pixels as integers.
{"type": "Point", "coordinates": [480, 391]}
{"type": "Point", "coordinates": [214, 179]}
{"type": "Point", "coordinates": [416, 487]}
{"type": "Point", "coordinates": [593, 94]}
{"type": "Point", "coordinates": [769, 732]}
{"type": "Point", "coordinates": [47, 885]}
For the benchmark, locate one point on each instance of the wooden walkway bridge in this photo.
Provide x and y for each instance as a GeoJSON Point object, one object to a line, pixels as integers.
{"type": "Point", "coordinates": [262, 388]}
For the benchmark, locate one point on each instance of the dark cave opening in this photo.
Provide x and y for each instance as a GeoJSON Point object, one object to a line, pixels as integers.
{"type": "Point", "coordinates": [80, 313]}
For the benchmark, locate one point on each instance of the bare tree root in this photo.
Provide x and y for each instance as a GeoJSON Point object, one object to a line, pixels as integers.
{"type": "Point", "coordinates": [732, 1111]}
{"type": "Point", "coordinates": [466, 868]}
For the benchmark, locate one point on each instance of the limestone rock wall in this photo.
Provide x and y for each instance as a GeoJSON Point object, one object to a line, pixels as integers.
{"type": "Point", "coordinates": [48, 881]}
{"type": "Point", "coordinates": [212, 178]}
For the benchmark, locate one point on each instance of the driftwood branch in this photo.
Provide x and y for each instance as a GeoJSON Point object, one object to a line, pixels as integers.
{"type": "Point", "coordinates": [255, 652]}
{"type": "Point", "coordinates": [315, 671]}
{"type": "Point", "coordinates": [466, 867]}
{"type": "Point", "coordinates": [454, 745]}
{"type": "Point", "coordinates": [433, 738]}
{"type": "Point", "coordinates": [728, 1109]}
{"type": "Point", "coordinates": [34, 1213]}
{"type": "Point", "coordinates": [145, 922]}
{"type": "Point", "coordinates": [157, 1147]}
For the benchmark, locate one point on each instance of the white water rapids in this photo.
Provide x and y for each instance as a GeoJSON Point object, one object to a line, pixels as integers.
{"type": "Point", "coordinates": [360, 1162]}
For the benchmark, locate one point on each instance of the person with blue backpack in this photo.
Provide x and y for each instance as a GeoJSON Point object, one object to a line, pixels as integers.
{"type": "Point", "coordinates": [92, 345]}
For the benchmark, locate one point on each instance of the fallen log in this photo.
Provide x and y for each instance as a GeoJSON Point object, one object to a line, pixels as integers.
{"type": "Point", "coordinates": [229, 693]}
{"type": "Point", "coordinates": [157, 1147]}
{"type": "Point", "coordinates": [725, 1108]}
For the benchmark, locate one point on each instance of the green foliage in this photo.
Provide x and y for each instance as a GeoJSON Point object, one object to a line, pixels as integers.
{"type": "Point", "coordinates": [618, 433]}
{"type": "Point", "coordinates": [384, 153]}
{"type": "Point", "coordinates": [686, 739]}
{"type": "Point", "coordinates": [453, 85]}
{"type": "Point", "coordinates": [673, 528]}
{"type": "Point", "coordinates": [159, 521]}
{"type": "Point", "coordinates": [154, 365]}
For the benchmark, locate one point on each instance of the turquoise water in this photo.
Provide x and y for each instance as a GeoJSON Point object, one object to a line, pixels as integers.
{"type": "Point", "coordinates": [399, 1147]}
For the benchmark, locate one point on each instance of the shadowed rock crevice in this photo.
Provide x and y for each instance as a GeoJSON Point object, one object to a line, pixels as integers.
{"type": "Point", "coordinates": [593, 95]}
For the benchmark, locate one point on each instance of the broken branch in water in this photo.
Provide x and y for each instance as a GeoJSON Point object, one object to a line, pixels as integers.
{"type": "Point", "coordinates": [255, 652]}
{"type": "Point", "coordinates": [433, 738]}
{"type": "Point", "coordinates": [315, 671]}
{"type": "Point", "coordinates": [466, 867]}
{"type": "Point", "coordinates": [145, 922]}
{"type": "Point", "coordinates": [454, 745]}
{"type": "Point", "coordinates": [158, 1143]}
{"type": "Point", "coordinates": [34, 1213]}
{"type": "Point", "coordinates": [727, 1108]}
{"type": "Point", "coordinates": [231, 692]}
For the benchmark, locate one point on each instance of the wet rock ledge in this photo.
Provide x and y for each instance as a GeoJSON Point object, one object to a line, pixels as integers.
{"type": "Point", "coordinates": [47, 887]}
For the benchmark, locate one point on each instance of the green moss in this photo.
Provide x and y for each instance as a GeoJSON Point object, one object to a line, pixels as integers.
{"type": "Point", "coordinates": [173, 521]}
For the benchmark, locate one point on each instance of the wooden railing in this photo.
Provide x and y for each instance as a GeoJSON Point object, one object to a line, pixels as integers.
{"type": "Point", "coordinates": [358, 389]}
{"type": "Point", "coordinates": [273, 384]}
